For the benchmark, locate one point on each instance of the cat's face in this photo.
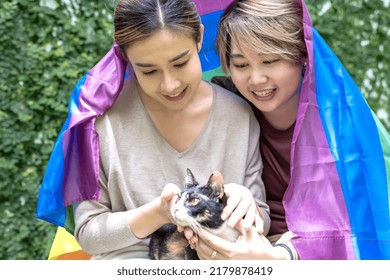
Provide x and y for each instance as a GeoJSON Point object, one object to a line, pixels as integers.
{"type": "Point", "coordinates": [200, 205]}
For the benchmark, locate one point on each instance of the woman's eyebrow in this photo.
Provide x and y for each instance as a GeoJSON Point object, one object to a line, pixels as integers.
{"type": "Point", "coordinates": [234, 55]}
{"type": "Point", "coordinates": [170, 61]}
{"type": "Point", "coordinates": [180, 56]}
{"type": "Point", "coordinates": [260, 55]}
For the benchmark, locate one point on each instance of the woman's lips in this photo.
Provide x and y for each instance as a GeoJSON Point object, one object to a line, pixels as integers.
{"type": "Point", "coordinates": [176, 97]}
{"type": "Point", "coordinates": [263, 95]}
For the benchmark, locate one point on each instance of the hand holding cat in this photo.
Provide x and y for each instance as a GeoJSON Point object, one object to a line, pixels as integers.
{"type": "Point", "coordinates": [189, 235]}
{"type": "Point", "coordinates": [168, 198]}
{"type": "Point", "coordinates": [147, 218]}
{"type": "Point", "coordinates": [241, 205]}
{"type": "Point", "coordinates": [250, 245]}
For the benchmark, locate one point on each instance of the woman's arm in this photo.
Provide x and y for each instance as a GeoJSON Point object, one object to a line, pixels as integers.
{"type": "Point", "coordinates": [148, 218]}
{"type": "Point", "coordinates": [99, 230]}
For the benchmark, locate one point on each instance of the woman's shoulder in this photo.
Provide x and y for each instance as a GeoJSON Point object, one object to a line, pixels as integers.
{"type": "Point", "coordinates": [226, 95]}
{"type": "Point", "coordinates": [225, 82]}
{"type": "Point", "coordinates": [126, 104]}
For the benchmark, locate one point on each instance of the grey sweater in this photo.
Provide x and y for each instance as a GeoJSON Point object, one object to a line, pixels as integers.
{"type": "Point", "coordinates": [136, 163]}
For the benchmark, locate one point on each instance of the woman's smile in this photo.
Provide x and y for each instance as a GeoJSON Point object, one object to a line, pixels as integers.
{"type": "Point", "coordinates": [176, 97]}
{"type": "Point", "coordinates": [264, 95]}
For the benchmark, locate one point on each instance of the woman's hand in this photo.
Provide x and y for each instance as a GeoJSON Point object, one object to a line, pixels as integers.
{"type": "Point", "coordinates": [250, 245]}
{"type": "Point", "coordinates": [190, 235]}
{"type": "Point", "coordinates": [168, 198]}
{"type": "Point", "coordinates": [241, 205]}
{"type": "Point", "coordinates": [149, 217]}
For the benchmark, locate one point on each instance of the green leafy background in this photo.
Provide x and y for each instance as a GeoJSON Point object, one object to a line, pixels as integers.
{"type": "Point", "coordinates": [47, 46]}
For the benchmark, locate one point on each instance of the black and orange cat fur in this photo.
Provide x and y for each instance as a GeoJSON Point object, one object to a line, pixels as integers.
{"type": "Point", "coordinates": [198, 206]}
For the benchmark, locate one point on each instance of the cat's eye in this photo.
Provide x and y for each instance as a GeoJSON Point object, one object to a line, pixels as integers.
{"type": "Point", "coordinates": [194, 201]}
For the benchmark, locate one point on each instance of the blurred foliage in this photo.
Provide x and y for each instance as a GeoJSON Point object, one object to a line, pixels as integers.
{"type": "Point", "coordinates": [358, 31]}
{"type": "Point", "coordinates": [47, 45]}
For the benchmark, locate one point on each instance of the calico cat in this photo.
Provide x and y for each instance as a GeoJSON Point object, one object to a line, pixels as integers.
{"type": "Point", "coordinates": [198, 206]}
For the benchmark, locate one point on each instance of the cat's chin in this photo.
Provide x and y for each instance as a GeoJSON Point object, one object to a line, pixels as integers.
{"type": "Point", "coordinates": [185, 223]}
{"type": "Point", "coordinates": [180, 218]}
{"type": "Point", "coordinates": [181, 223]}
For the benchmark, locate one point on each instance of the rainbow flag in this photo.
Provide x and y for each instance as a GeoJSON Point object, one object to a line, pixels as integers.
{"type": "Point", "coordinates": [338, 198]}
{"type": "Point", "coordinates": [337, 202]}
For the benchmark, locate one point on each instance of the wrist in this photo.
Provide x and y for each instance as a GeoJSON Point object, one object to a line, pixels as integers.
{"type": "Point", "coordinates": [161, 211]}
{"type": "Point", "coordinates": [147, 218]}
{"type": "Point", "coordinates": [283, 252]}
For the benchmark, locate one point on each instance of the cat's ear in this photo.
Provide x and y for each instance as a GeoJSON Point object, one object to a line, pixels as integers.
{"type": "Point", "coordinates": [216, 184]}
{"type": "Point", "coordinates": [190, 180]}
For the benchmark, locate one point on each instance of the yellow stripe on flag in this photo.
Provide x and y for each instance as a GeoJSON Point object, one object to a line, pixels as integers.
{"type": "Point", "coordinates": [65, 247]}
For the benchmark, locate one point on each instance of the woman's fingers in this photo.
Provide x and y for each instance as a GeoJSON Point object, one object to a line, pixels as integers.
{"type": "Point", "coordinates": [240, 204]}
{"type": "Point", "coordinates": [259, 223]}
{"type": "Point", "coordinates": [209, 243]}
{"type": "Point", "coordinates": [231, 205]}
{"type": "Point", "coordinates": [169, 191]}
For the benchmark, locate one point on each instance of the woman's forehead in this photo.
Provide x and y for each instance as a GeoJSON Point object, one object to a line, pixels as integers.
{"type": "Point", "coordinates": [244, 50]}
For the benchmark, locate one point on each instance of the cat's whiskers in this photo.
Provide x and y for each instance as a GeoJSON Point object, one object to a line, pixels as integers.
{"type": "Point", "coordinates": [187, 221]}
{"type": "Point", "coordinates": [194, 225]}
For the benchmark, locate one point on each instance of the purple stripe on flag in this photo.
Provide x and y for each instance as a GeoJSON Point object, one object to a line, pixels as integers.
{"type": "Point", "coordinates": [101, 87]}
{"type": "Point", "coordinates": [80, 143]}
{"type": "Point", "coordinates": [314, 179]}
{"type": "Point", "coordinates": [210, 6]}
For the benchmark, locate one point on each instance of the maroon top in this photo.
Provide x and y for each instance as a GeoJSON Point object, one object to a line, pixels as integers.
{"type": "Point", "coordinates": [275, 147]}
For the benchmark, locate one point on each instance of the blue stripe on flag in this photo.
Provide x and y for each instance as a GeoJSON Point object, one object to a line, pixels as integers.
{"type": "Point", "coordinates": [50, 204]}
{"type": "Point", "coordinates": [359, 157]}
{"type": "Point", "coordinates": [208, 55]}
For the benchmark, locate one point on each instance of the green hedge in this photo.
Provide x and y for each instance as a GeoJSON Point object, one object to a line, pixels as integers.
{"type": "Point", "coordinates": [358, 32]}
{"type": "Point", "coordinates": [47, 46]}
{"type": "Point", "coordinates": [47, 50]}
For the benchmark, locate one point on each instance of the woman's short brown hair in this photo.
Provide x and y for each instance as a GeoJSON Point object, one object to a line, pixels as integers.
{"type": "Point", "coordinates": [265, 26]}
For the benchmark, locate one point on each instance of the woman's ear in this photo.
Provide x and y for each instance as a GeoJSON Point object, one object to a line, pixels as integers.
{"type": "Point", "coordinates": [199, 44]}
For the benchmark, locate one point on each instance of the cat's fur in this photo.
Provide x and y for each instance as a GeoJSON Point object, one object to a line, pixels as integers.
{"type": "Point", "coordinates": [198, 206]}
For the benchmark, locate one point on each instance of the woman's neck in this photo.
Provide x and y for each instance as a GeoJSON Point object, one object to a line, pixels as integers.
{"type": "Point", "coordinates": [180, 128]}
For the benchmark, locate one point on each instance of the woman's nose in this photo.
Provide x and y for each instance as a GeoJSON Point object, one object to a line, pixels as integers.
{"type": "Point", "coordinates": [169, 83]}
{"type": "Point", "coordinates": [258, 76]}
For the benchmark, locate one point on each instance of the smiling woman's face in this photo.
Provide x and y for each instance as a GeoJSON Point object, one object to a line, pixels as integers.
{"type": "Point", "coordinates": [167, 67]}
{"type": "Point", "coordinates": [270, 82]}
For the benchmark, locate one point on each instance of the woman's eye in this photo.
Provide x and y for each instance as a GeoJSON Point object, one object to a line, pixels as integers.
{"type": "Point", "coordinates": [181, 64]}
{"type": "Point", "coordinates": [270, 61]}
{"type": "Point", "coordinates": [149, 72]}
{"type": "Point", "coordinates": [240, 66]}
